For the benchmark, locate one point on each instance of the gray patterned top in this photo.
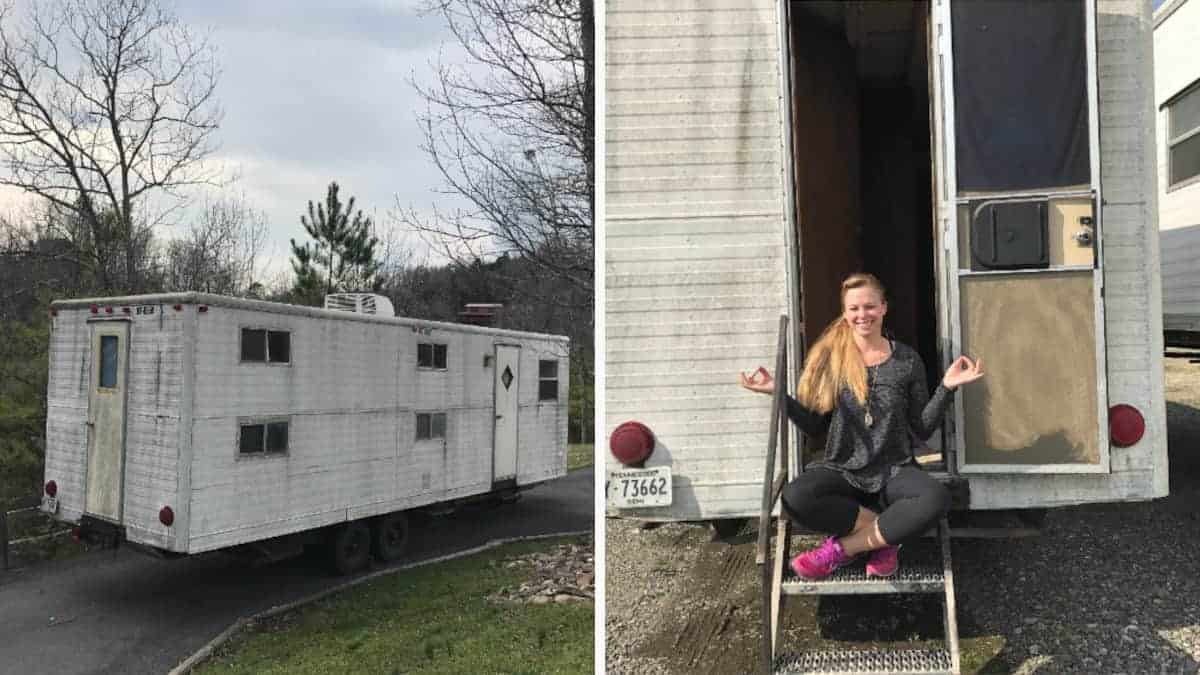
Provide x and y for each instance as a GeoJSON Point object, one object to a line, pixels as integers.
{"type": "Point", "coordinates": [900, 408]}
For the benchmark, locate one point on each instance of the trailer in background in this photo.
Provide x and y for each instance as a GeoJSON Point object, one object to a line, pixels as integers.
{"type": "Point", "coordinates": [184, 423]}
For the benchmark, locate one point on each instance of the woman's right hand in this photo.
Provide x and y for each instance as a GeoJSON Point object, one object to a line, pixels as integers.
{"type": "Point", "coordinates": [759, 381]}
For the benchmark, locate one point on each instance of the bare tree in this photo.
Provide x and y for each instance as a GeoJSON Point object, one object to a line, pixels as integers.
{"type": "Point", "coordinates": [104, 106]}
{"type": "Point", "coordinates": [220, 251]}
{"type": "Point", "coordinates": [511, 132]}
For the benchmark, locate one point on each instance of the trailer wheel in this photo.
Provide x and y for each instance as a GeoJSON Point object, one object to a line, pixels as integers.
{"type": "Point", "coordinates": [350, 547]}
{"type": "Point", "coordinates": [389, 536]}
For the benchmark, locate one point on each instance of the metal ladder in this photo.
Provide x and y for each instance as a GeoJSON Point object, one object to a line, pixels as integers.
{"type": "Point", "coordinates": [778, 581]}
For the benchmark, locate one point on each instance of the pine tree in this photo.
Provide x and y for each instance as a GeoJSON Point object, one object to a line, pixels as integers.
{"type": "Point", "coordinates": [341, 256]}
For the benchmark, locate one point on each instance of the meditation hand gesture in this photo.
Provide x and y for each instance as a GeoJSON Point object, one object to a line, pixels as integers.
{"type": "Point", "coordinates": [961, 372]}
{"type": "Point", "coordinates": [760, 381]}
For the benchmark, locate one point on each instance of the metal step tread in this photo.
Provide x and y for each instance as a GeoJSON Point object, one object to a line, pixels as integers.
{"type": "Point", "coordinates": [912, 577]}
{"type": "Point", "coordinates": [861, 662]}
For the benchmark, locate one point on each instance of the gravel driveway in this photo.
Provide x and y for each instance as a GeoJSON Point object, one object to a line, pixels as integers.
{"type": "Point", "coordinates": [1112, 588]}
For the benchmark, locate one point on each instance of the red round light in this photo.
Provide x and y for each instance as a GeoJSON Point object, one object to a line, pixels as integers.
{"type": "Point", "coordinates": [51, 488]}
{"type": "Point", "coordinates": [631, 443]}
{"type": "Point", "coordinates": [125, 309]}
{"type": "Point", "coordinates": [166, 516]}
{"type": "Point", "coordinates": [95, 309]}
{"type": "Point", "coordinates": [178, 308]}
{"type": "Point", "coordinates": [54, 312]}
{"type": "Point", "coordinates": [1125, 425]}
{"type": "Point", "coordinates": [202, 308]}
{"type": "Point", "coordinates": [108, 310]}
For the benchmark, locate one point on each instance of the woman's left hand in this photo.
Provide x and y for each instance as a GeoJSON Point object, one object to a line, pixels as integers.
{"type": "Point", "coordinates": [962, 371]}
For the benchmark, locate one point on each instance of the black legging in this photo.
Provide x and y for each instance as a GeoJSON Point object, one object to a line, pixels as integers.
{"type": "Point", "coordinates": [822, 500]}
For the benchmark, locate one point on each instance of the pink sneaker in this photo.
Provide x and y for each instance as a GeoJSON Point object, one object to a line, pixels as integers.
{"type": "Point", "coordinates": [884, 562]}
{"type": "Point", "coordinates": [821, 561]}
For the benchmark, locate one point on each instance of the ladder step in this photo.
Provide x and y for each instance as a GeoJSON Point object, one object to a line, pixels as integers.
{"type": "Point", "coordinates": [882, 662]}
{"type": "Point", "coordinates": [912, 577]}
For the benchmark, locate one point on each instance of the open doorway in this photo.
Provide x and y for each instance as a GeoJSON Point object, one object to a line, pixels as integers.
{"type": "Point", "coordinates": [862, 157]}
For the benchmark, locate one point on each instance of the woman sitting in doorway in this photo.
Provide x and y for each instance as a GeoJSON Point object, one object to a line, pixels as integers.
{"type": "Point", "coordinates": [868, 395]}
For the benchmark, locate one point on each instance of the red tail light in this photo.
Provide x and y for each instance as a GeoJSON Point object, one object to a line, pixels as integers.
{"type": "Point", "coordinates": [108, 310]}
{"type": "Point", "coordinates": [166, 516]}
{"type": "Point", "coordinates": [202, 309]}
{"type": "Point", "coordinates": [178, 308]}
{"type": "Point", "coordinates": [631, 443]}
{"type": "Point", "coordinates": [95, 309]}
{"type": "Point", "coordinates": [51, 488]}
{"type": "Point", "coordinates": [1125, 425]}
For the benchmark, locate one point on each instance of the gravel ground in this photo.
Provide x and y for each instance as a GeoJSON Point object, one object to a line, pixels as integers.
{"type": "Point", "coordinates": [1111, 588]}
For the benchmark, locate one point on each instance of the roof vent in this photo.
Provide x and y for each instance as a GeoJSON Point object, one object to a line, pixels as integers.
{"type": "Point", "coordinates": [362, 303]}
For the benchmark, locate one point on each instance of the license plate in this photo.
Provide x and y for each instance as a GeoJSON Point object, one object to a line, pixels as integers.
{"type": "Point", "coordinates": [632, 488]}
{"type": "Point", "coordinates": [49, 504]}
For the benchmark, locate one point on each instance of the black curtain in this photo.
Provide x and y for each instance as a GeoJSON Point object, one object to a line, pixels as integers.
{"type": "Point", "coordinates": [1020, 73]}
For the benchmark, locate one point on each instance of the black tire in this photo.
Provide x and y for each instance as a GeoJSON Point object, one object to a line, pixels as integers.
{"type": "Point", "coordinates": [389, 536]}
{"type": "Point", "coordinates": [350, 547]}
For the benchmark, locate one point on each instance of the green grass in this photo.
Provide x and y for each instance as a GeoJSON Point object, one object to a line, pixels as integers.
{"type": "Point", "coordinates": [427, 620]}
{"type": "Point", "coordinates": [579, 455]}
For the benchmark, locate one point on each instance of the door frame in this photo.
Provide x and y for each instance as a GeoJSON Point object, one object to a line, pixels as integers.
{"type": "Point", "coordinates": [90, 427]}
{"type": "Point", "coordinates": [506, 481]}
{"type": "Point", "coordinates": [948, 201]}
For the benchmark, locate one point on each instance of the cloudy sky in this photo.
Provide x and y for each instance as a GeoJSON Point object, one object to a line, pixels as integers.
{"type": "Point", "coordinates": [318, 90]}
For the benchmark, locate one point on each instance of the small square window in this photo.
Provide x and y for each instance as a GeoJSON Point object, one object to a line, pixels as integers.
{"type": "Point", "coordinates": [108, 361]}
{"type": "Point", "coordinates": [431, 426]}
{"type": "Point", "coordinates": [258, 438]}
{"type": "Point", "coordinates": [548, 380]}
{"type": "Point", "coordinates": [254, 344]}
{"type": "Point", "coordinates": [250, 438]}
{"type": "Point", "coordinates": [431, 356]}
{"type": "Point", "coordinates": [279, 346]}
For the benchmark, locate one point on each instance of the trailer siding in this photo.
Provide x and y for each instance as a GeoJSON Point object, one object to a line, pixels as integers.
{"type": "Point", "coordinates": [351, 394]}
{"type": "Point", "coordinates": [1133, 324]}
{"type": "Point", "coordinates": [695, 235]}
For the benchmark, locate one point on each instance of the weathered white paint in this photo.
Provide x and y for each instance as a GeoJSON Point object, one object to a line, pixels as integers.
{"type": "Point", "coordinates": [695, 238]}
{"type": "Point", "coordinates": [696, 241]}
{"type": "Point", "coordinates": [350, 394]}
{"type": "Point", "coordinates": [1177, 25]}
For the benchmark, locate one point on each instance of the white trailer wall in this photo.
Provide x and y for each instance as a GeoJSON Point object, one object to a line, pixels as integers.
{"type": "Point", "coordinates": [696, 237]}
{"type": "Point", "coordinates": [351, 394]}
{"type": "Point", "coordinates": [152, 435]}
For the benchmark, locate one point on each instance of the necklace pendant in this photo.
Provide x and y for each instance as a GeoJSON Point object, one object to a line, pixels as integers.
{"type": "Point", "coordinates": [867, 419]}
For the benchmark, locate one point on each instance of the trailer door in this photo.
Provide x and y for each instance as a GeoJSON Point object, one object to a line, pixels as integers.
{"type": "Point", "coordinates": [1017, 183]}
{"type": "Point", "coordinates": [106, 419]}
{"type": "Point", "coordinates": [504, 448]}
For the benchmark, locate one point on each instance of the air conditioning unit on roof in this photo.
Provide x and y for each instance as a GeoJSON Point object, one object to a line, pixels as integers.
{"type": "Point", "coordinates": [362, 303]}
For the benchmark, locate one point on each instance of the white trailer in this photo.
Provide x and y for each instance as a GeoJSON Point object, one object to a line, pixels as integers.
{"type": "Point", "coordinates": [1177, 100]}
{"type": "Point", "coordinates": [187, 422]}
{"type": "Point", "coordinates": [758, 151]}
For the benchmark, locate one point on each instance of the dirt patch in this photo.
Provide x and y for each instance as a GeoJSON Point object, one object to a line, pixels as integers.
{"type": "Point", "coordinates": [1107, 588]}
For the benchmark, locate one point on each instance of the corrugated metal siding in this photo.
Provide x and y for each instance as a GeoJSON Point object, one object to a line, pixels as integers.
{"type": "Point", "coordinates": [352, 392]}
{"type": "Point", "coordinates": [695, 237]}
{"type": "Point", "coordinates": [66, 410]}
{"type": "Point", "coordinates": [1132, 293]}
{"type": "Point", "coordinates": [1180, 273]}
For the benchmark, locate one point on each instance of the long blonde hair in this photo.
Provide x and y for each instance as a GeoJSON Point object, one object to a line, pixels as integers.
{"type": "Point", "coordinates": [834, 362]}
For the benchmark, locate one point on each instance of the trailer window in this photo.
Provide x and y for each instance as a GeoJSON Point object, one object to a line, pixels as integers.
{"type": "Point", "coordinates": [108, 361]}
{"type": "Point", "coordinates": [1183, 136]}
{"type": "Point", "coordinates": [548, 380]}
{"type": "Point", "coordinates": [266, 346]}
{"type": "Point", "coordinates": [431, 426]}
{"type": "Point", "coordinates": [431, 355]}
{"type": "Point", "coordinates": [260, 438]}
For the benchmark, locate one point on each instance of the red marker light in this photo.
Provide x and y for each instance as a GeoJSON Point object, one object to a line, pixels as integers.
{"type": "Point", "coordinates": [108, 310]}
{"type": "Point", "coordinates": [51, 488]}
{"type": "Point", "coordinates": [178, 308]}
{"type": "Point", "coordinates": [202, 309]}
{"type": "Point", "coordinates": [631, 443]}
{"type": "Point", "coordinates": [95, 309]}
{"type": "Point", "coordinates": [166, 516]}
{"type": "Point", "coordinates": [1125, 425]}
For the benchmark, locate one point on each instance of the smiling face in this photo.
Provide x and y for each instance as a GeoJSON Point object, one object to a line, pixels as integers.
{"type": "Point", "coordinates": [864, 308]}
